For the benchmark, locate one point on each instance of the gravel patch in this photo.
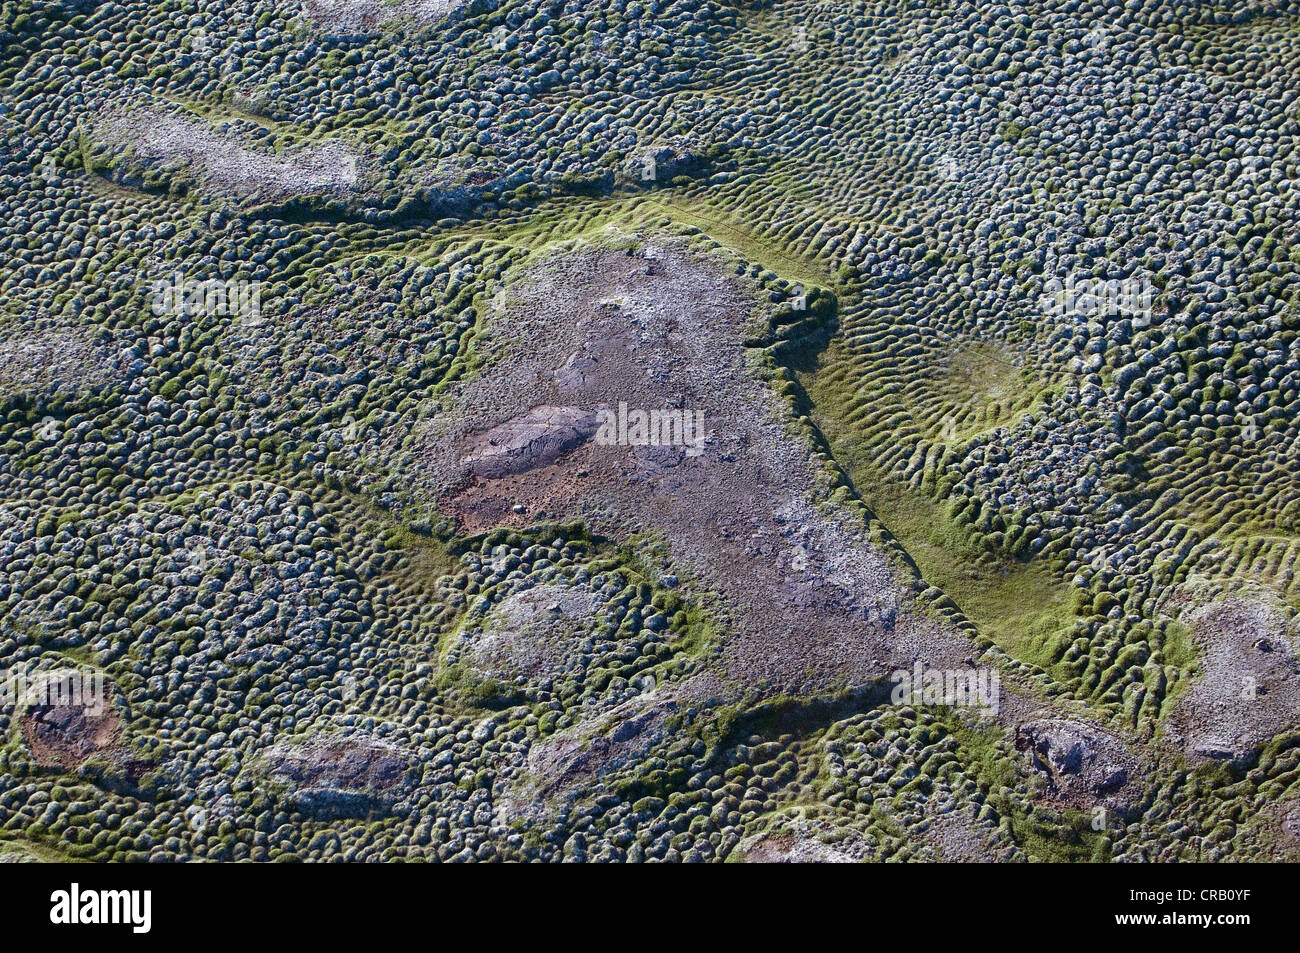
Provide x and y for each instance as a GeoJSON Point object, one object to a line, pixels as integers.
{"type": "Point", "coordinates": [52, 361]}
{"type": "Point", "coordinates": [961, 837]}
{"type": "Point", "coordinates": [533, 633]}
{"type": "Point", "coordinates": [359, 17]}
{"type": "Point", "coordinates": [799, 847]}
{"type": "Point", "coordinates": [1249, 686]}
{"type": "Point", "coordinates": [225, 164]}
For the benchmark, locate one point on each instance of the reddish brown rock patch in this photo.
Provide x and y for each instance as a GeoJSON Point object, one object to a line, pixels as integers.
{"type": "Point", "coordinates": [63, 734]}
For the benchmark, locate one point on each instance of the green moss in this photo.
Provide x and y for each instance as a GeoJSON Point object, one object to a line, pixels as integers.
{"type": "Point", "coordinates": [1062, 837]}
{"type": "Point", "coordinates": [1021, 606]}
{"type": "Point", "coordinates": [1179, 650]}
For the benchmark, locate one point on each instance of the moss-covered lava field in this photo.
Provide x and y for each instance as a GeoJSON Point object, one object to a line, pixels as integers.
{"type": "Point", "coordinates": [668, 430]}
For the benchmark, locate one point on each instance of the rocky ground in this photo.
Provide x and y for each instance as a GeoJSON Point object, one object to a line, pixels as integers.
{"type": "Point", "coordinates": [222, 164]}
{"type": "Point", "coordinates": [345, 17]}
{"type": "Point", "coordinates": [813, 605]}
{"type": "Point", "coordinates": [1249, 684]}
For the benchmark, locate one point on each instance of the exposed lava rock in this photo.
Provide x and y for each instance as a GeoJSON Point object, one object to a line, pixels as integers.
{"type": "Point", "coordinates": [1081, 762]}
{"type": "Point", "coordinates": [537, 439]}
{"type": "Point", "coordinates": [1248, 688]}
{"type": "Point", "coordinates": [341, 775]}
